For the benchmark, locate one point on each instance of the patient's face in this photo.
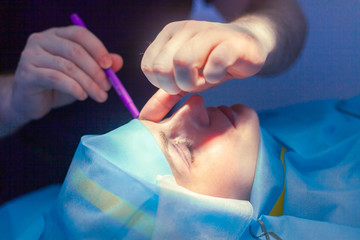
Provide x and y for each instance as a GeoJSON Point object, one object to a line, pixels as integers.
{"type": "Point", "coordinates": [210, 151]}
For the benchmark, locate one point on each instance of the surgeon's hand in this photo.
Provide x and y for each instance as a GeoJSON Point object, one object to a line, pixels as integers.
{"type": "Point", "coordinates": [59, 66]}
{"type": "Point", "coordinates": [193, 56]}
{"type": "Point", "coordinates": [159, 105]}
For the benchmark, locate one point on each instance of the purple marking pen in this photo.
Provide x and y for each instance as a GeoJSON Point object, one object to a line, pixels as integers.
{"type": "Point", "coordinates": [115, 81]}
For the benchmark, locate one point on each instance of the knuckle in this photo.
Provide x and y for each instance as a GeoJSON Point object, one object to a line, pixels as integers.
{"type": "Point", "coordinates": [80, 33]}
{"type": "Point", "coordinates": [24, 71]}
{"type": "Point", "coordinates": [27, 56]}
{"type": "Point", "coordinates": [170, 26]}
{"type": "Point", "coordinates": [188, 24]}
{"type": "Point", "coordinates": [185, 56]}
{"type": "Point", "coordinates": [214, 76]}
{"type": "Point", "coordinates": [219, 60]}
{"type": "Point", "coordinates": [27, 53]}
{"type": "Point", "coordinates": [99, 74]}
{"type": "Point", "coordinates": [223, 55]}
{"type": "Point", "coordinates": [187, 86]}
{"type": "Point", "coordinates": [146, 68]}
{"type": "Point", "coordinates": [54, 77]}
{"type": "Point", "coordinates": [76, 50]}
{"type": "Point", "coordinates": [52, 30]}
{"type": "Point", "coordinates": [161, 68]}
{"type": "Point", "coordinates": [163, 63]}
{"type": "Point", "coordinates": [258, 57]}
{"type": "Point", "coordinates": [166, 51]}
{"type": "Point", "coordinates": [258, 60]}
{"type": "Point", "coordinates": [211, 30]}
{"type": "Point", "coordinates": [58, 61]}
{"type": "Point", "coordinates": [181, 61]}
{"type": "Point", "coordinates": [91, 85]}
{"type": "Point", "coordinates": [69, 67]}
{"type": "Point", "coordinates": [167, 27]}
{"type": "Point", "coordinates": [35, 37]}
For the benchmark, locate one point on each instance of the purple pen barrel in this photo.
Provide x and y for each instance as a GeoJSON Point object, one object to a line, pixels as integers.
{"type": "Point", "coordinates": [115, 81]}
{"type": "Point", "coordinates": [121, 91]}
{"type": "Point", "coordinates": [77, 20]}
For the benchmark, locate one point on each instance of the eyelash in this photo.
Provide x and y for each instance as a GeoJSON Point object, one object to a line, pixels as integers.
{"type": "Point", "coordinates": [188, 146]}
{"type": "Point", "coordinates": [176, 144]}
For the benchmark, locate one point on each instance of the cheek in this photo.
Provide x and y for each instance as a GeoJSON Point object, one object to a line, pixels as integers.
{"type": "Point", "coordinates": [225, 168]}
{"type": "Point", "coordinates": [222, 160]}
{"type": "Point", "coordinates": [216, 149]}
{"type": "Point", "coordinates": [214, 159]}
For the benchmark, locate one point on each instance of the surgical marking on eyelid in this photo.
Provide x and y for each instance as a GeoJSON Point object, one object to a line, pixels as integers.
{"type": "Point", "coordinates": [182, 155]}
{"type": "Point", "coordinates": [180, 152]}
{"type": "Point", "coordinates": [190, 148]}
{"type": "Point", "coordinates": [188, 144]}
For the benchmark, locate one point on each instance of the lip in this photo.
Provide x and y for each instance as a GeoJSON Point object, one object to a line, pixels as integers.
{"type": "Point", "coordinates": [228, 113]}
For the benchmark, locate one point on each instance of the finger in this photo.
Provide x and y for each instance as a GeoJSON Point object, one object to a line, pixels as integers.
{"type": "Point", "coordinates": [231, 59]}
{"type": "Point", "coordinates": [117, 62]}
{"type": "Point", "coordinates": [89, 41]}
{"type": "Point", "coordinates": [73, 72]}
{"type": "Point", "coordinates": [152, 79]}
{"type": "Point", "coordinates": [155, 47]}
{"type": "Point", "coordinates": [153, 51]}
{"type": "Point", "coordinates": [218, 63]}
{"type": "Point", "coordinates": [159, 105]}
{"type": "Point", "coordinates": [76, 54]}
{"type": "Point", "coordinates": [163, 63]}
{"type": "Point", "coordinates": [59, 82]}
{"type": "Point", "coordinates": [191, 58]}
{"type": "Point", "coordinates": [167, 82]}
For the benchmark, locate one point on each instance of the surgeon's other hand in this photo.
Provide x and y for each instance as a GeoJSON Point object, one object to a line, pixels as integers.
{"type": "Point", "coordinates": [192, 56]}
{"type": "Point", "coordinates": [59, 66]}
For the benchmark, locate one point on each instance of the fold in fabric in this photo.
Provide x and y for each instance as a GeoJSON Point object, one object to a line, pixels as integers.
{"type": "Point", "coordinates": [308, 158]}
{"type": "Point", "coordinates": [111, 192]}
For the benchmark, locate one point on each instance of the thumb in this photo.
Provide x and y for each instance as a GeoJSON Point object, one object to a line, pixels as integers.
{"type": "Point", "coordinates": [159, 105]}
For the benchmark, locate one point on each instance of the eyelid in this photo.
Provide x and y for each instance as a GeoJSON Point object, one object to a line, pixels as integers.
{"type": "Point", "coordinates": [188, 145]}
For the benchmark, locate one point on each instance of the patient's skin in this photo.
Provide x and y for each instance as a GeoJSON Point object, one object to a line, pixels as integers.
{"type": "Point", "coordinates": [208, 152]}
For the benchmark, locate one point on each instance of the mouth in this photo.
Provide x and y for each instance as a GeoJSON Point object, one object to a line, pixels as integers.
{"type": "Point", "coordinates": [228, 113]}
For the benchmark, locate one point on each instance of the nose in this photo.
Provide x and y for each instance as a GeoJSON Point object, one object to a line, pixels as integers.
{"type": "Point", "coordinates": [193, 111]}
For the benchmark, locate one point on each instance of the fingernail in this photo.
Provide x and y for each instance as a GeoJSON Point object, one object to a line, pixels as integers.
{"type": "Point", "coordinates": [83, 96]}
{"type": "Point", "coordinates": [102, 96]}
{"type": "Point", "coordinates": [106, 62]}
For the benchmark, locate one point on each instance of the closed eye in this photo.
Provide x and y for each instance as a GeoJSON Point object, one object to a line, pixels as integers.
{"type": "Point", "coordinates": [189, 147]}
{"type": "Point", "coordinates": [180, 146]}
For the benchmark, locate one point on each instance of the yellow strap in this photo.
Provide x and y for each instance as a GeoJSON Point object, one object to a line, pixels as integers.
{"type": "Point", "coordinates": [114, 206]}
{"type": "Point", "coordinates": [279, 205]}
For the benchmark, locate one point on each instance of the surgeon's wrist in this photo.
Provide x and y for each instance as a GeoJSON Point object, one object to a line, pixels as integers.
{"type": "Point", "coordinates": [10, 119]}
{"type": "Point", "coordinates": [260, 28]}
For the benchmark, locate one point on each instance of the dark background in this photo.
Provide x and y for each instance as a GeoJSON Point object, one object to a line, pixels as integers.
{"type": "Point", "coordinates": [40, 153]}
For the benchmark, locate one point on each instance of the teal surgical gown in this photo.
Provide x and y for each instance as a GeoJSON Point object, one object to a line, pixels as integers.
{"type": "Point", "coordinates": [306, 186]}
